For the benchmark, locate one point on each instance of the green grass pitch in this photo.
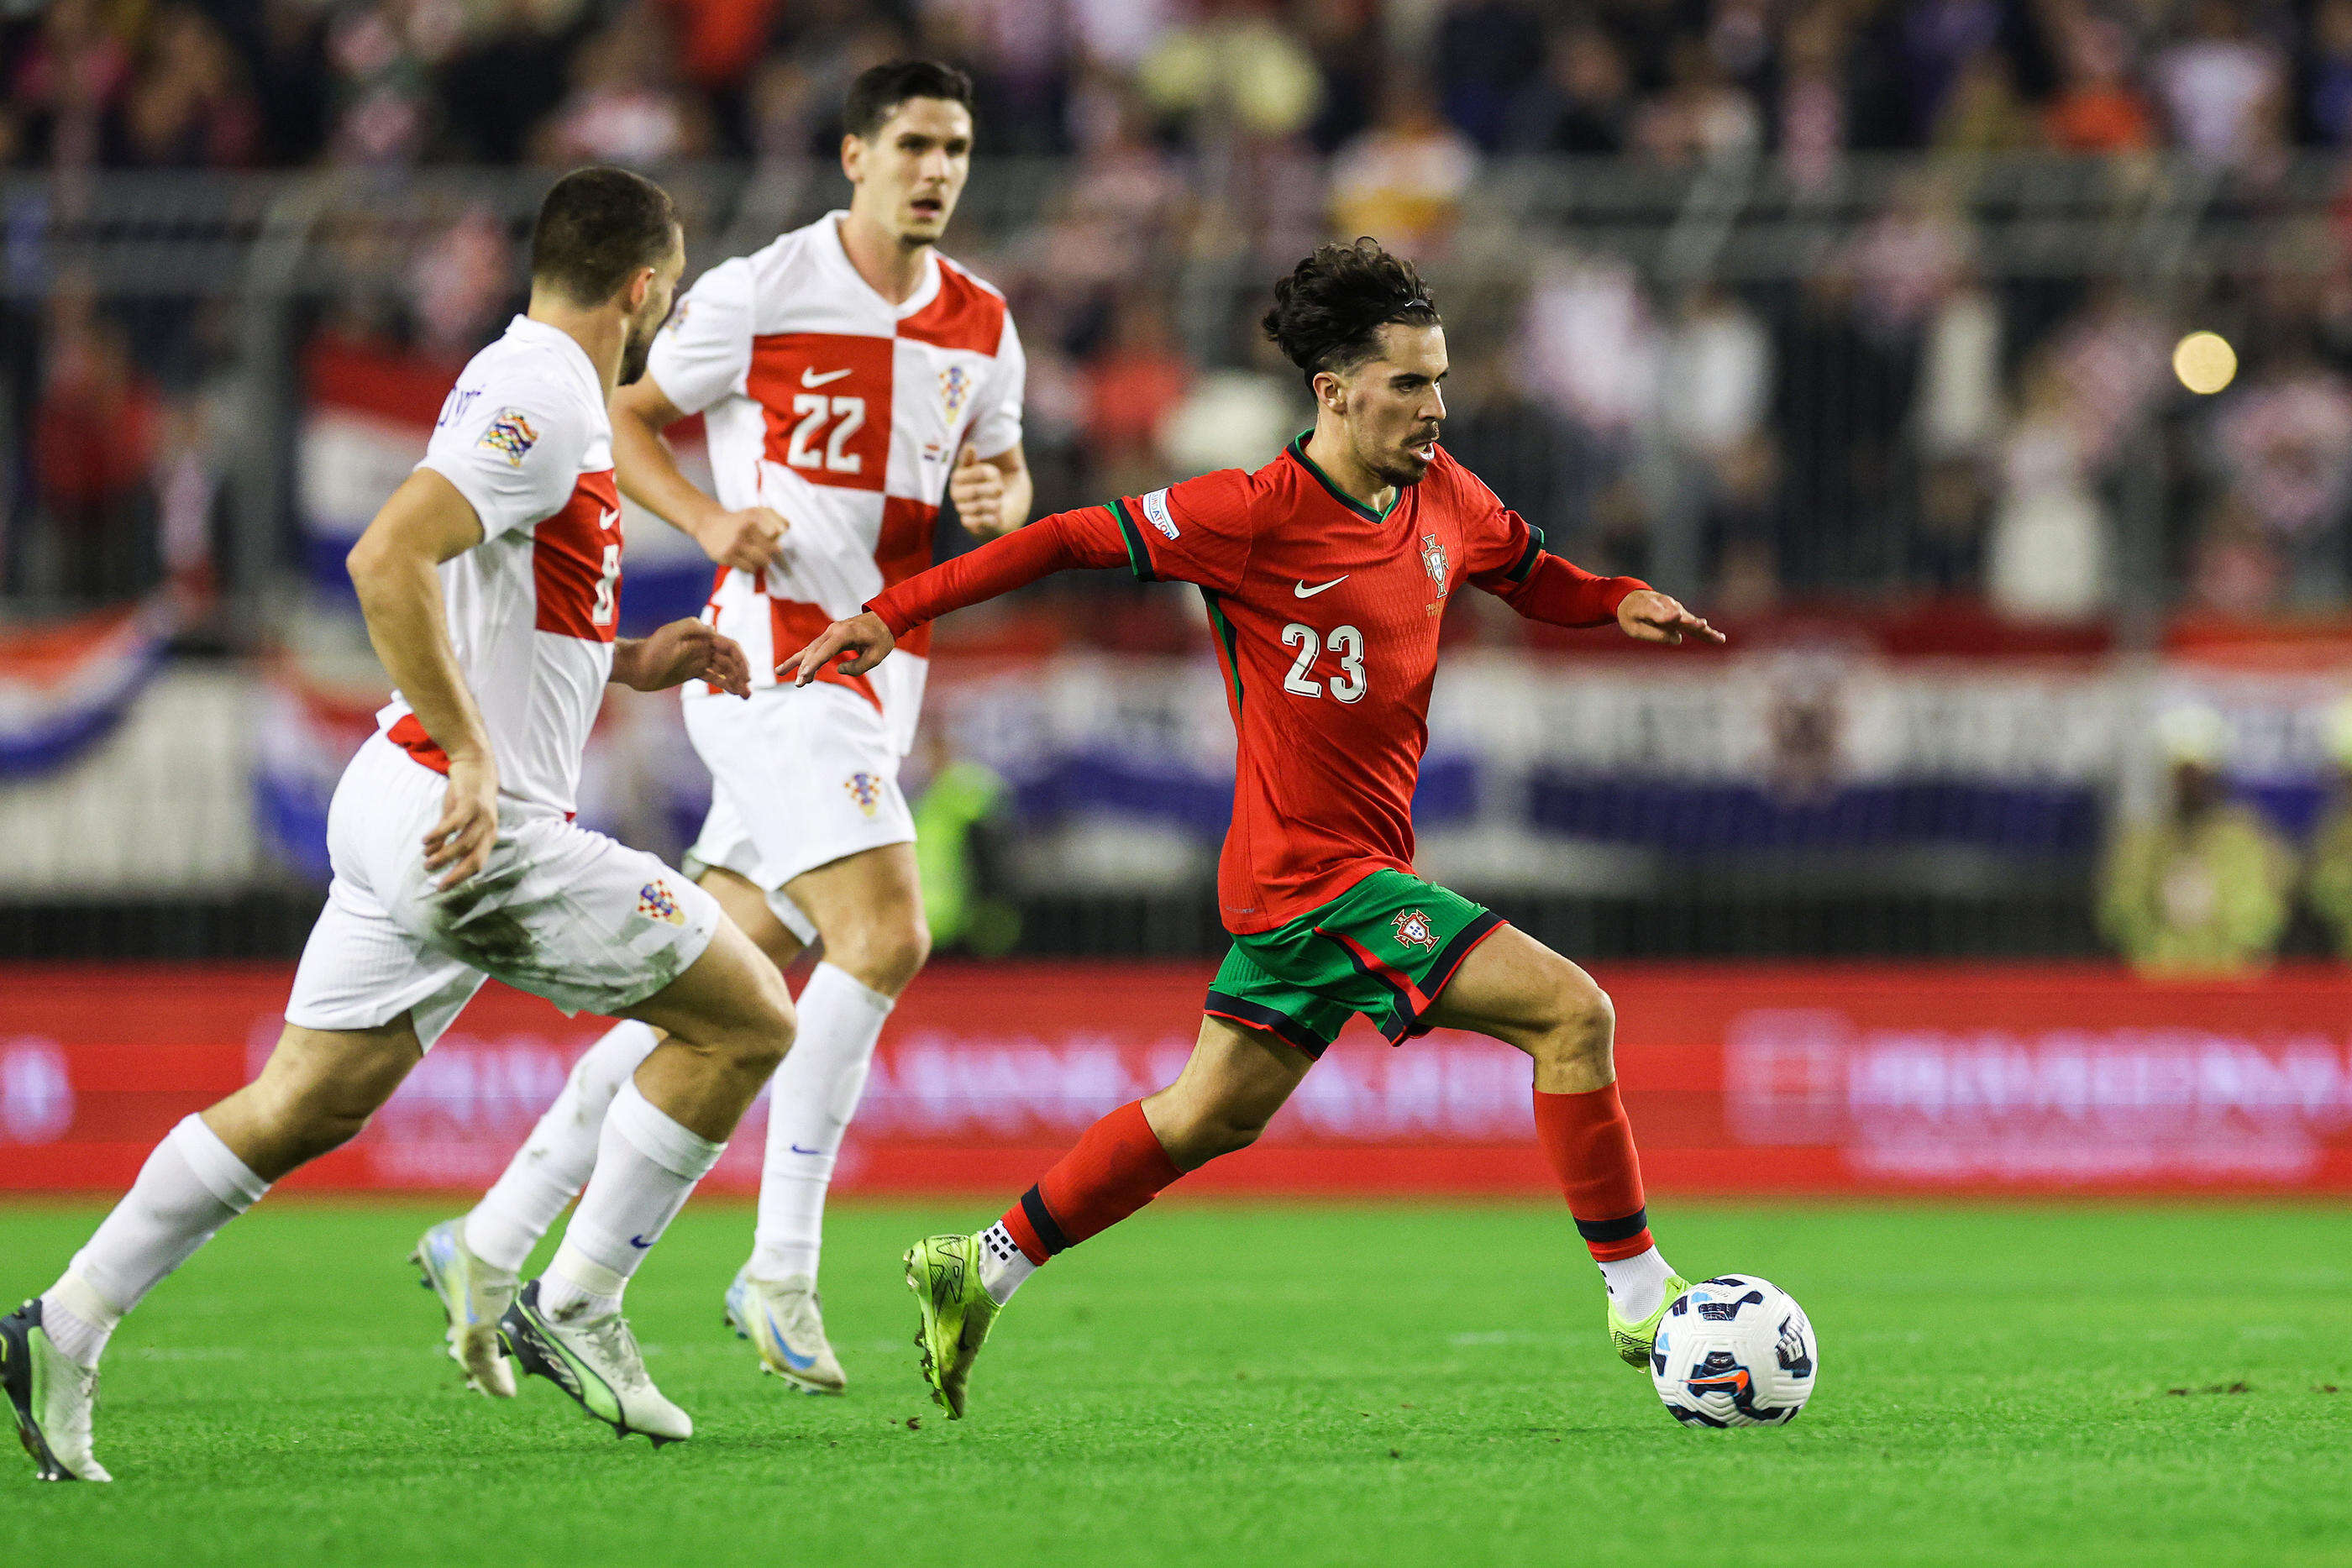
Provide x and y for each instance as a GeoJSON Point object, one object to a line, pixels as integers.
{"type": "Point", "coordinates": [1240, 1384]}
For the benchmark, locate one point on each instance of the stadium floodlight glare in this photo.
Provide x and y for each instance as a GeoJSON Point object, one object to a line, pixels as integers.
{"type": "Point", "coordinates": [2205, 363]}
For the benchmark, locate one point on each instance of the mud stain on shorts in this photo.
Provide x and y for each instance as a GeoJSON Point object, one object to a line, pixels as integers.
{"type": "Point", "coordinates": [487, 938]}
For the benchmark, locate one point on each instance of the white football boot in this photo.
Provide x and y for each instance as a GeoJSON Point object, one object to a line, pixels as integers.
{"type": "Point", "coordinates": [596, 1361]}
{"type": "Point", "coordinates": [473, 1296]}
{"type": "Point", "coordinates": [52, 1397]}
{"type": "Point", "coordinates": [784, 1321]}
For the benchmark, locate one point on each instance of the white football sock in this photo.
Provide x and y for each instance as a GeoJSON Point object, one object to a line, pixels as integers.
{"type": "Point", "coordinates": [190, 1187]}
{"type": "Point", "coordinates": [810, 1103]}
{"type": "Point", "coordinates": [1636, 1285]}
{"type": "Point", "coordinates": [553, 1162]}
{"type": "Point", "coordinates": [1002, 1265]}
{"type": "Point", "coordinates": [647, 1166]}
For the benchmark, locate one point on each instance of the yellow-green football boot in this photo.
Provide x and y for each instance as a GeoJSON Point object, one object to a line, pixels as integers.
{"type": "Point", "coordinates": [944, 1273]}
{"type": "Point", "coordinates": [1634, 1341]}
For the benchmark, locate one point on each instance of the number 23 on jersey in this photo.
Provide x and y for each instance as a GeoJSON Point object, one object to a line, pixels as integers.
{"type": "Point", "coordinates": [1346, 647]}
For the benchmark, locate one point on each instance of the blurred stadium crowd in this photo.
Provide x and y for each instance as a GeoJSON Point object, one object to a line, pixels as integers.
{"type": "Point", "coordinates": [1853, 321]}
{"type": "Point", "coordinates": [1904, 413]}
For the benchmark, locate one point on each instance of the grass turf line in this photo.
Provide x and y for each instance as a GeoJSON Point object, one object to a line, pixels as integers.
{"type": "Point", "coordinates": [1236, 1384]}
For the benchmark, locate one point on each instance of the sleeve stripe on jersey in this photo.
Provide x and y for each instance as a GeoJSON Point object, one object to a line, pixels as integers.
{"type": "Point", "coordinates": [1226, 641]}
{"type": "Point", "coordinates": [1138, 559]}
{"type": "Point", "coordinates": [1527, 562]}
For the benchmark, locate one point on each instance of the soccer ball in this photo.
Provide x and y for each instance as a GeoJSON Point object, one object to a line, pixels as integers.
{"type": "Point", "coordinates": [1734, 1351]}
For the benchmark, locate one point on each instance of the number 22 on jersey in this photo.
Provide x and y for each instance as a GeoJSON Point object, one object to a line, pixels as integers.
{"type": "Point", "coordinates": [1347, 645]}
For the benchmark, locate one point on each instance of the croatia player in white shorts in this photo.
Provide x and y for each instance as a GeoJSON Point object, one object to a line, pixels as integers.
{"type": "Point", "coordinates": [489, 581]}
{"type": "Point", "coordinates": [847, 376]}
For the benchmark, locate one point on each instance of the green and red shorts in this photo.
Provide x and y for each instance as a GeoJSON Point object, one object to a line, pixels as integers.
{"type": "Point", "coordinates": [1385, 948]}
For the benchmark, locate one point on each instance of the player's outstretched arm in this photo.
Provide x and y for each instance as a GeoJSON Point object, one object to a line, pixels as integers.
{"type": "Point", "coordinates": [1089, 537]}
{"type": "Point", "coordinates": [750, 539]}
{"type": "Point", "coordinates": [680, 652]}
{"type": "Point", "coordinates": [427, 521]}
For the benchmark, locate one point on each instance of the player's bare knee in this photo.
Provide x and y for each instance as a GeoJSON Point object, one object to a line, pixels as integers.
{"type": "Point", "coordinates": [1583, 1026]}
{"type": "Point", "coordinates": [884, 952]}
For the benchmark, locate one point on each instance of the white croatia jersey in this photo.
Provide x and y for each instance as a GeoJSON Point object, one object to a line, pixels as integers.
{"type": "Point", "coordinates": [844, 414]}
{"type": "Point", "coordinates": [525, 437]}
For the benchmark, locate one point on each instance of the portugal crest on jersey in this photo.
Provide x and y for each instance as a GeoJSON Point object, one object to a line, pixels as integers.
{"type": "Point", "coordinates": [1432, 555]}
{"type": "Point", "coordinates": [1412, 927]}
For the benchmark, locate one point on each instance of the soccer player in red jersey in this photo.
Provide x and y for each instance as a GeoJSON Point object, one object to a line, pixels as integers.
{"type": "Point", "coordinates": [1325, 574]}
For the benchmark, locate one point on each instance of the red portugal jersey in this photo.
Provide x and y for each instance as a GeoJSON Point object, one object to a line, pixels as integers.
{"type": "Point", "coordinates": [1326, 617]}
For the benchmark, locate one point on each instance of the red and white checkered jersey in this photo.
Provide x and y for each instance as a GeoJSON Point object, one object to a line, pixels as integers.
{"type": "Point", "coordinates": [531, 609]}
{"type": "Point", "coordinates": [845, 413]}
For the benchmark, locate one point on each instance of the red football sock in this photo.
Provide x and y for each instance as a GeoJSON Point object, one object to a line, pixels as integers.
{"type": "Point", "coordinates": [1590, 1144]}
{"type": "Point", "coordinates": [1114, 1170]}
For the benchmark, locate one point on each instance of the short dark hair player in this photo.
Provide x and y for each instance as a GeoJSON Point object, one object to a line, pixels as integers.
{"type": "Point", "coordinates": [1325, 574]}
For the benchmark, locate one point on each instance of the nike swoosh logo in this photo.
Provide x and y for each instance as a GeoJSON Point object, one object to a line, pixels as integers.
{"type": "Point", "coordinates": [639, 1242]}
{"type": "Point", "coordinates": [798, 1150]}
{"type": "Point", "coordinates": [797, 1363]}
{"type": "Point", "coordinates": [809, 378]}
{"type": "Point", "coordinates": [608, 521]}
{"type": "Point", "coordinates": [1303, 591]}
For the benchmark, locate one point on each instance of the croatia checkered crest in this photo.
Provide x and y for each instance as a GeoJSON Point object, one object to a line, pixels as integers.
{"type": "Point", "coordinates": [1734, 1351]}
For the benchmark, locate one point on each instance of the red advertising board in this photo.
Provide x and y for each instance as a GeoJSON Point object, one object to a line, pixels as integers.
{"type": "Point", "coordinates": [1864, 1079]}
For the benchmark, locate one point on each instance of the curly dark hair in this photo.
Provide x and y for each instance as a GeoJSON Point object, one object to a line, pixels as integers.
{"type": "Point", "coordinates": [1328, 314]}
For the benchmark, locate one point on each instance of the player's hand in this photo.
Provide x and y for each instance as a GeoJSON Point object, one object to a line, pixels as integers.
{"type": "Point", "coordinates": [979, 491]}
{"type": "Point", "coordinates": [750, 541]}
{"type": "Point", "coordinates": [855, 645]}
{"type": "Point", "coordinates": [460, 842]}
{"type": "Point", "coordinates": [686, 650]}
{"type": "Point", "coordinates": [1650, 616]}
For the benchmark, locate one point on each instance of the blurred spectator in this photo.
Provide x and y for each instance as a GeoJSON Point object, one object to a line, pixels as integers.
{"type": "Point", "coordinates": [1940, 39]}
{"type": "Point", "coordinates": [463, 283]}
{"type": "Point", "coordinates": [1485, 52]}
{"type": "Point", "coordinates": [1702, 117]}
{"type": "Point", "coordinates": [285, 46]}
{"type": "Point", "coordinates": [2047, 558]}
{"type": "Point", "coordinates": [2284, 442]}
{"type": "Point", "coordinates": [2203, 887]}
{"type": "Point", "coordinates": [1587, 346]}
{"type": "Point", "coordinates": [64, 87]}
{"type": "Point", "coordinates": [960, 851]}
{"type": "Point", "coordinates": [1402, 180]}
{"type": "Point", "coordinates": [1959, 406]}
{"type": "Point", "coordinates": [2328, 876]}
{"type": "Point", "coordinates": [1983, 112]}
{"type": "Point", "coordinates": [188, 106]}
{"type": "Point", "coordinates": [507, 79]}
{"type": "Point", "coordinates": [1811, 123]}
{"type": "Point", "coordinates": [2327, 70]}
{"type": "Point", "coordinates": [1582, 102]}
{"type": "Point", "coordinates": [1716, 378]}
{"type": "Point", "coordinates": [2096, 107]}
{"type": "Point", "coordinates": [2219, 85]}
{"type": "Point", "coordinates": [96, 435]}
{"type": "Point", "coordinates": [382, 83]}
{"type": "Point", "coordinates": [1237, 72]}
{"type": "Point", "coordinates": [626, 105]}
{"type": "Point", "coordinates": [1131, 391]}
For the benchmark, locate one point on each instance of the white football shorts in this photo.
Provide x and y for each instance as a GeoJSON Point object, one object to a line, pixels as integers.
{"type": "Point", "coordinates": [572, 916]}
{"type": "Point", "coordinates": [800, 776]}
